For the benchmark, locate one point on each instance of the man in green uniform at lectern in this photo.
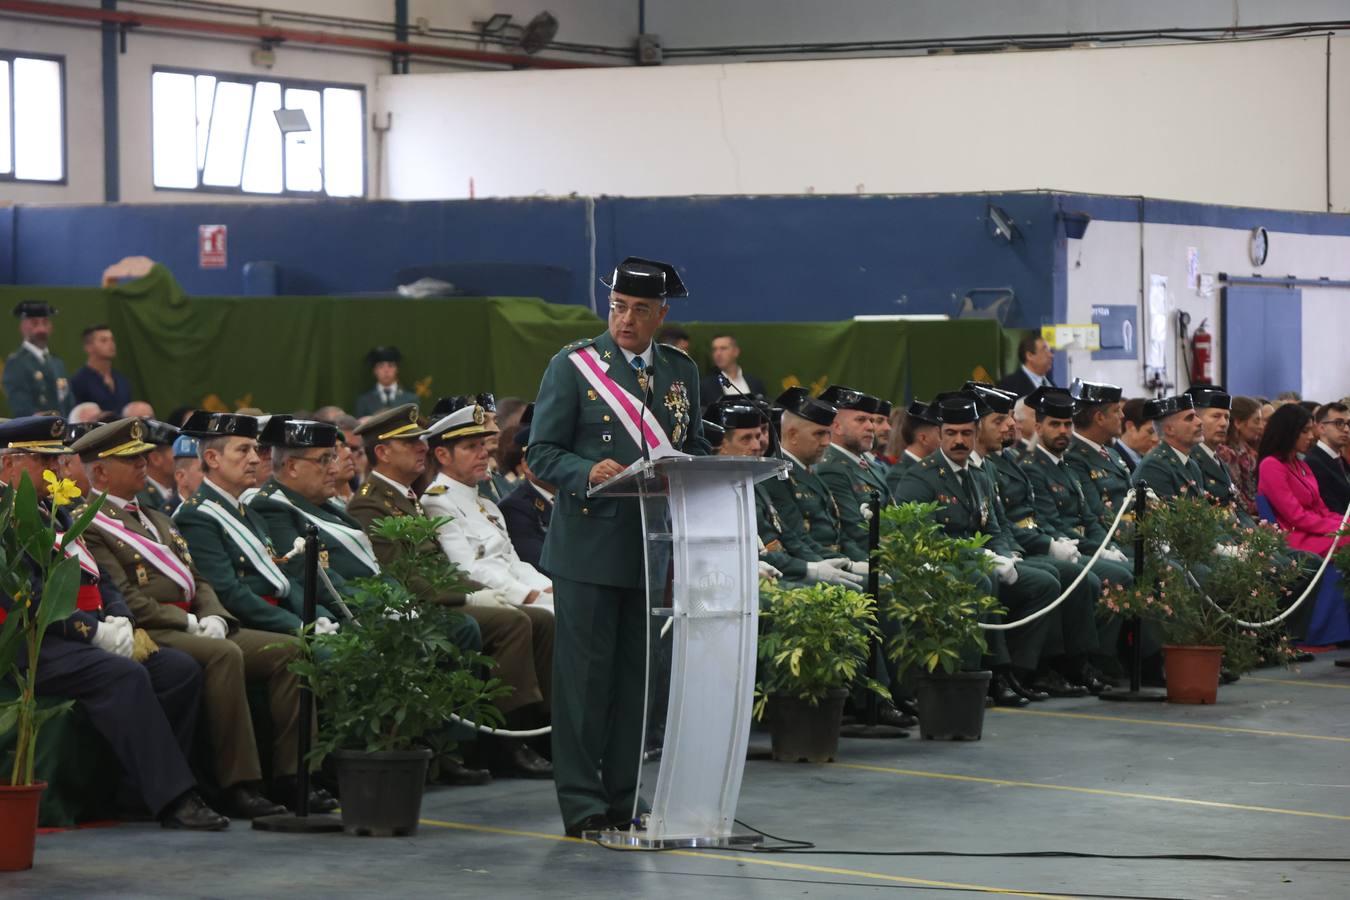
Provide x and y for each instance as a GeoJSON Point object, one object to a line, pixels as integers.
{"type": "Point", "coordinates": [601, 400]}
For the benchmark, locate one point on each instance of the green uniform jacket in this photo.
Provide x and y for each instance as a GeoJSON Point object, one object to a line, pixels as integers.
{"type": "Point", "coordinates": [599, 540]}
{"type": "Point", "coordinates": [369, 403]}
{"type": "Point", "coordinates": [150, 594]}
{"type": "Point", "coordinates": [964, 512]}
{"type": "Point", "coordinates": [1062, 506]}
{"type": "Point", "coordinates": [902, 465]}
{"type": "Point", "coordinates": [1218, 483]}
{"type": "Point", "coordinates": [238, 584]}
{"type": "Point", "coordinates": [1168, 476]}
{"type": "Point", "coordinates": [377, 499]}
{"type": "Point", "coordinates": [1001, 538]}
{"type": "Point", "coordinates": [286, 523]}
{"type": "Point", "coordinates": [784, 551]}
{"type": "Point", "coordinates": [805, 499]}
{"type": "Point", "coordinates": [33, 387]}
{"type": "Point", "coordinates": [852, 483]}
{"type": "Point", "coordinates": [1102, 473]}
{"type": "Point", "coordinates": [1019, 503]}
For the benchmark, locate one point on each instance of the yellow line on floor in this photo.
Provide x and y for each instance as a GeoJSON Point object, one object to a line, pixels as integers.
{"type": "Point", "coordinates": [752, 859]}
{"type": "Point", "coordinates": [1100, 792]}
{"type": "Point", "coordinates": [1298, 682]}
{"type": "Point", "coordinates": [1159, 722]}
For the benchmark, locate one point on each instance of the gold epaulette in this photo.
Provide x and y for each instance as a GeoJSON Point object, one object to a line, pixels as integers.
{"type": "Point", "coordinates": [436, 490]}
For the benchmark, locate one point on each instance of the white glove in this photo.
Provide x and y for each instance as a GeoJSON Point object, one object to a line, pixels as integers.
{"type": "Point", "coordinates": [192, 626]}
{"type": "Point", "coordinates": [858, 568]}
{"type": "Point", "coordinates": [488, 597]}
{"type": "Point", "coordinates": [114, 635]}
{"type": "Point", "coordinates": [1005, 567]}
{"type": "Point", "coordinates": [1063, 549]}
{"type": "Point", "coordinates": [824, 573]}
{"type": "Point", "coordinates": [866, 510]}
{"type": "Point", "coordinates": [397, 616]}
{"type": "Point", "coordinates": [768, 571]}
{"type": "Point", "coordinates": [1114, 555]}
{"type": "Point", "coordinates": [1228, 551]}
{"type": "Point", "coordinates": [212, 627]}
{"type": "Point", "coordinates": [325, 625]}
{"type": "Point", "coordinates": [1152, 497]}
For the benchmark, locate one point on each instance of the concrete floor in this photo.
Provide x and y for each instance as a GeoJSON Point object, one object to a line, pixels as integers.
{"type": "Point", "coordinates": [1264, 773]}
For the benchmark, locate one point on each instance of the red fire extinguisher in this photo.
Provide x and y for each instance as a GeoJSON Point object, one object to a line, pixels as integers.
{"type": "Point", "coordinates": [1202, 356]}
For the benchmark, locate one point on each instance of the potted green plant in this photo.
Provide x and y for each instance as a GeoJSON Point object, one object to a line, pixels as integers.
{"type": "Point", "coordinates": [813, 646]}
{"type": "Point", "coordinates": [32, 553]}
{"type": "Point", "coordinates": [937, 595]}
{"type": "Point", "coordinates": [389, 683]}
{"type": "Point", "coordinates": [1207, 586]}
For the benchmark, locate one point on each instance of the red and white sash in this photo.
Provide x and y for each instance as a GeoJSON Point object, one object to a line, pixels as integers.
{"type": "Point", "coordinates": [80, 551]}
{"type": "Point", "coordinates": [640, 423]}
{"type": "Point", "coordinates": [153, 552]}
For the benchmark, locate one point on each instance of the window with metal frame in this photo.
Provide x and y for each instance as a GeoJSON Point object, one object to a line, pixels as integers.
{"type": "Point", "coordinates": [32, 118]}
{"type": "Point", "coordinates": [246, 134]}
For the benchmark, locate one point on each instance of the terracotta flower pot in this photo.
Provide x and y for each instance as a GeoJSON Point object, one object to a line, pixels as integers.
{"type": "Point", "coordinates": [1192, 673]}
{"type": "Point", "coordinates": [18, 825]}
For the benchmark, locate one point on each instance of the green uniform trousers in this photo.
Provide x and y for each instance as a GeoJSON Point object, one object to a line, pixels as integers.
{"type": "Point", "coordinates": [599, 683]}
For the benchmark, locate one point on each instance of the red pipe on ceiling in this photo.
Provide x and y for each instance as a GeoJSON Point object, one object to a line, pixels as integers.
{"type": "Point", "coordinates": [270, 33]}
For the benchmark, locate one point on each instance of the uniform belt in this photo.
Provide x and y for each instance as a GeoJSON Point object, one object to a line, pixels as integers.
{"type": "Point", "coordinates": [1028, 522]}
{"type": "Point", "coordinates": [270, 600]}
{"type": "Point", "coordinates": [89, 599]}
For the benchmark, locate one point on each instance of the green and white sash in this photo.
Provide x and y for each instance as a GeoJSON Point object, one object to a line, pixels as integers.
{"type": "Point", "coordinates": [249, 544]}
{"type": "Point", "coordinates": [353, 540]}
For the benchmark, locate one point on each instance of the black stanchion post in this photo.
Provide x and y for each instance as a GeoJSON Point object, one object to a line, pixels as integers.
{"type": "Point", "coordinates": [302, 821]}
{"type": "Point", "coordinates": [1135, 628]}
{"type": "Point", "coordinates": [869, 728]}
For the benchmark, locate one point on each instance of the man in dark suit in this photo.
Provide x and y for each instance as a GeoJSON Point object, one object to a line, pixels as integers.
{"type": "Point", "coordinates": [726, 355]}
{"type": "Point", "coordinates": [386, 394]}
{"type": "Point", "coordinates": [529, 507]}
{"type": "Point", "coordinates": [1036, 360]}
{"type": "Point", "coordinates": [1324, 457]}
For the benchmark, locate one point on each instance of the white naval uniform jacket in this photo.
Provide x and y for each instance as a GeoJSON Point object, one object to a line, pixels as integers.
{"type": "Point", "coordinates": [476, 540]}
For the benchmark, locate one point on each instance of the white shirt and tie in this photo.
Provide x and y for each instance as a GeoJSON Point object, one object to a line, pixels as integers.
{"type": "Point", "coordinates": [476, 540]}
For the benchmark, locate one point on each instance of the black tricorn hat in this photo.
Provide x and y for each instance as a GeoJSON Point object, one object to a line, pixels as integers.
{"type": "Point", "coordinates": [734, 413]}
{"type": "Point", "coordinates": [646, 279]}
{"type": "Point", "coordinates": [1162, 407]}
{"type": "Point", "coordinates": [1210, 396]}
{"type": "Point", "coordinates": [885, 408]}
{"type": "Point", "coordinates": [841, 397]}
{"type": "Point", "coordinates": [1094, 392]}
{"type": "Point", "coordinates": [1052, 402]}
{"type": "Point", "coordinates": [991, 398]}
{"type": "Point", "coordinates": [714, 433]}
{"type": "Point", "coordinates": [922, 413]}
{"type": "Point", "coordinates": [284, 431]}
{"type": "Point", "coordinates": [383, 354]}
{"type": "Point", "coordinates": [956, 408]}
{"type": "Point", "coordinates": [455, 402]}
{"type": "Point", "coordinates": [161, 434]}
{"type": "Point", "coordinates": [204, 424]}
{"type": "Point", "coordinates": [77, 430]}
{"type": "Point", "coordinates": [34, 309]}
{"type": "Point", "coordinates": [797, 401]}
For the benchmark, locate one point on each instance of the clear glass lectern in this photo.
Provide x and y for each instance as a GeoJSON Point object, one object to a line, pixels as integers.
{"type": "Point", "coordinates": [698, 513]}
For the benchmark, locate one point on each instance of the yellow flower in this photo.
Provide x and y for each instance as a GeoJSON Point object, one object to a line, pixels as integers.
{"type": "Point", "coordinates": [63, 491]}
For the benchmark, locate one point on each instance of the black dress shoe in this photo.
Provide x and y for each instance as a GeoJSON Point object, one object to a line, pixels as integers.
{"type": "Point", "coordinates": [1089, 678]}
{"type": "Point", "coordinates": [523, 762]}
{"type": "Point", "coordinates": [892, 717]}
{"type": "Point", "coordinates": [908, 707]}
{"type": "Point", "coordinates": [453, 772]}
{"type": "Point", "coordinates": [596, 822]}
{"type": "Point", "coordinates": [1003, 695]}
{"type": "Point", "coordinates": [284, 790]}
{"type": "Point", "coordinates": [1054, 684]}
{"type": "Point", "coordinates": [1023, 690]}
{"type": "Point", "coordinates": [190, 812]}
{"type": "Point", "coordinates": [244, 802]}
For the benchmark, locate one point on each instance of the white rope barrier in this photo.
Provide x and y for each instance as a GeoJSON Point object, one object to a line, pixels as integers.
{"type": "Point", "coordinates": [1073, 585]}
{"type": "Point", "coordinates": [1307, 592]}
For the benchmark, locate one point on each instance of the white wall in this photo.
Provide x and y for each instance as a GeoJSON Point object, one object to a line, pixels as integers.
{"type": "Point", "coordinates": [1103, 268]}
{"type": "Point", "coordinates": [1180, 122]}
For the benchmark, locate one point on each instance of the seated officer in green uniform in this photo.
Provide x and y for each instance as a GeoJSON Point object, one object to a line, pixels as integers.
{"type": "Point", "coordinates": [1063, 508]}
{"type": "Point", "coordinates": [1213, 405]}
{"type": "Point", "coordinates": [1097, 423]}
{"type": "Point", "coordinates": [947, 478]}
{"type": "Point", "coordinates": [299, 493]}
{"type": "Point", "coordinates": [1066, 670]}
{"type": "Point", "coordinates": [147, 558]}
{"type": "Point", "coordinates": [229, 541]}
{"type": "Point", "coordinates": [35, 380]}
{"type": "Point", "coordinates": [881, 426]}
{"type": "Point", "coordinates": [603, 404]}
{"type": "Point", "coordinates": [386, 393]}
{"type": "Point", "coordinates": [919, 432]}
{"type": "Point", "coordinates": [845, 470]}
{"type": "Point", "coordinates": [1170, 468]}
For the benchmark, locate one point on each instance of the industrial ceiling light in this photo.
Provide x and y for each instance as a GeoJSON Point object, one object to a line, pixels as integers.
{"type": "Point", "coordinates": [494, 24]}
{"type": "Point", "coordinates": [292, 121]}
{"type": "Point", "coordinates": [1075, 224]}
{"type": "Point", "coordinates": [536, 35]}
{"type": "Point", "coordinates": [1001, 224]}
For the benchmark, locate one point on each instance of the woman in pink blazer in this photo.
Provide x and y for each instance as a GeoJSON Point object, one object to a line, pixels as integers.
{"type": "Point", "coordinates": [1285, 480]}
